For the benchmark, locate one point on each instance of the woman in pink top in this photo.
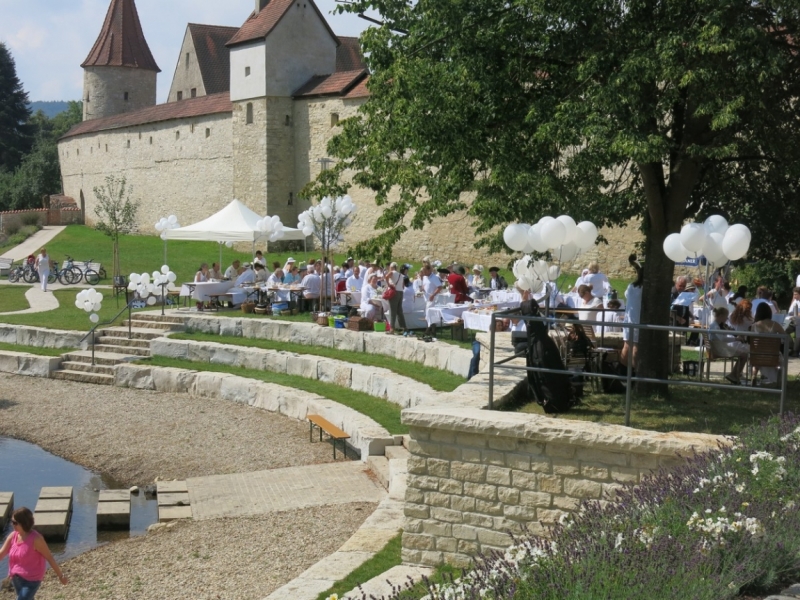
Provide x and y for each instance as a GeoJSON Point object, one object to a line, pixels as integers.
{"type": "Point", "coordinates": [27, 552]}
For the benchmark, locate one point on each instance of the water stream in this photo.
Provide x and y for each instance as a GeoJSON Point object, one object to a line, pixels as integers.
{"type": "Point", "coordinates": [25, 469]}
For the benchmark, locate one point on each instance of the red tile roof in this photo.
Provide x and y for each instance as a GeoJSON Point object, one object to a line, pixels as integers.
{"type": "Point", "coordinates": [194, 107]}
{"type": "Point", "coordinates": [213, 57]}
{"type": "Point", "coordinates": [330, 85]}
{"type": "Point", "coordinates": [360, 90]}
{"type": "Point", "coordinates": [348, 55]}
{"type": "Point", "coordinates": [121, 42]}
{"type": "Point", "coordinates": [258, 26]}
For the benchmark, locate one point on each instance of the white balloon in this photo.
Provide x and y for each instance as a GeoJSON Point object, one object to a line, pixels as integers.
{"type": "Point", "coordinates": [132, 286]}
{"type": "Point", "coordinates": [158, 226]}
{"type": "Point", "coordinates": [151, 300]}
{"type": "Point", "coordinates": [134, 278]}
{"type": "Point", "coordinates": [307, 231]}
{"type": "Point", "coordinates": [674, 249]}
{"type": "Point", "coordinates": [586, 235]}
{"type": "Point", "coordinates": [693, 236]}
{"type": "Point", "coordinates": [87, 305]}
{"type": "Point", "coordinates": [97, 306]}
{"type": "Point", "coordinates": [712, 249]}
{"type": "Point", "coordinates": [172, 219]}
{"type": "Point", "coordinates": [544, 220]}
{"type": "Point", "coordinates": [172, 277]}
{"type": "Point", "coordinates": [145, 278]}
{"type": "Point", "coordinates": [715, 224]}
{"type": "Point", "coordinates": [275, 219]}
{"type": "Point", "coordinates": [736, 241]}
{"type": "Point", "coordinates": [165, 269]}
{"type": "Point", "coordinates": [570, 226]}
{"type": "Point", "coordinates": [78, 303]}
{"type": "Point", "coordinates": [94, 318]}
{"type": "Point", "coordinates": [516, 236]}
{"type": "Point", "coordinates": [553, 233]}
{"type": "Point", "coordinates": [535, 239]}
{"type": "Point", "coordinates": [163, 236]}
{"type": "Point", "coordinates": [553, 273]}
{"type": "Point", "coordinates": [567, 252]}
{"type": "Point", "coordinates": [326, 201]}
{"type": "Point", "coordinates": [229, 244]}
{"type": "Point", "coordinates": [326, 212]}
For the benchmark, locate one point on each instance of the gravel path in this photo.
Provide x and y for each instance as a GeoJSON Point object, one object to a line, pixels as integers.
{"type": "Point", "coordinates": [244, 558]}
{"type": "Point", "coordinates": [136, 436]}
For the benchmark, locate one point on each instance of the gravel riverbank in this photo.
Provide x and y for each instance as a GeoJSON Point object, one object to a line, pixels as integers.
{"type": "Point", "coordinates": [136, 436]}
{"type": "Point", "coordinates": [244, 558]}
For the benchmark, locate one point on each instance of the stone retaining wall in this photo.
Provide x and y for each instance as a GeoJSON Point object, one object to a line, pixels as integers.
{"type": "Point", "coordinates": [32, 365]}
{"type": "Point", "coordinates": [475, 476]}
{"type": "Point", "coordinates": [442, 356]}
{"type": "Point", "coordinates": [39, 337]}
{"type": "Point", "coordinates": [366, 436]}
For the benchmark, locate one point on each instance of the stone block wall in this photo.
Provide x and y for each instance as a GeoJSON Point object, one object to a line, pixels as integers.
{"type": "Point", "coordinates": [475, 477]}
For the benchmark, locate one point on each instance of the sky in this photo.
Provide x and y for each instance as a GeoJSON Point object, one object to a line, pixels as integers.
{"type": "Point", "coordinates": [49, 39]}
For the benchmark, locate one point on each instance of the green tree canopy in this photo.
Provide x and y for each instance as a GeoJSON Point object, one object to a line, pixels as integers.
{"type": "Point", "coordinates": [659, 109]}
{"type": "Point", "coordinates": [15, 134]}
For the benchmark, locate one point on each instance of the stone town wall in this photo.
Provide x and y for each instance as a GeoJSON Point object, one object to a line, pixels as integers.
{"type": "Point", "coordinates": [182, 167]}
{"type": "Point", "coordinates": [475, 476]}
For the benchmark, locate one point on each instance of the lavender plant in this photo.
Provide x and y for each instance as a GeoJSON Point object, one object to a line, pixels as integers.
{"type": "Point", "coordinates": [725, 521]}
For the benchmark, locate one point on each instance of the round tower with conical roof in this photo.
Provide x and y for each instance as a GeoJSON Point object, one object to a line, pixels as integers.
{"type": "Point", "coordinates": [120, 72]}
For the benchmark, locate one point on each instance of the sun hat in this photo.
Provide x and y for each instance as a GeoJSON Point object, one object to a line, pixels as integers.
{"type": "Point", "coordinates": [478, 268]}
{"type": "Point", "coordinates": [290, 260]}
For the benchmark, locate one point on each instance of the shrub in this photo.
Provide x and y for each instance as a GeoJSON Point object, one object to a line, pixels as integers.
{"type": "Point", "coordinates": [30, 219]}
{"type": "Point", "coordinates": [12, 228]}
{"type": "Point", "coordinates": [779, 276]}
{"type": "Point", "coordinates": [726, 521]}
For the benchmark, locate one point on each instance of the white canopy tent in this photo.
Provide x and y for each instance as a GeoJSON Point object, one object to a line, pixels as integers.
{"type": "Point", "coordinates": [234, 223]}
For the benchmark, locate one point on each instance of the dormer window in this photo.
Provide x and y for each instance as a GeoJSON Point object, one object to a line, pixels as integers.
{"type": "Point", "coordinates": [247, 71]}
{"type": "Point", "coordinates": [180, 95]}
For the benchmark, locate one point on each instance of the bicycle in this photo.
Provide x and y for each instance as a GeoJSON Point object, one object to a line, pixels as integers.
{"type": "Point", "coordinates": [91, 276]}
{"type": "Point", "coordinates": [32, 275]}
{"type": "Point", "coordinates": [69, 273]}
{"type": "Point", "coordinates": [15, 273]}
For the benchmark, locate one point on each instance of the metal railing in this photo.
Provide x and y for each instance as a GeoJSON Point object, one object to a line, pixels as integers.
{"type": "Point", "coordinates": [629, 378]}
{"type": "Point", "coordinates": [91, 332]}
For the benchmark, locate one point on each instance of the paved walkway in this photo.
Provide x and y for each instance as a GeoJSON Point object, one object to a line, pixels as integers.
{"type": "Point", "coordinates": [274, 490]}
{"type": "Point", "coordinates": [39, 301]}
{"type": "Point", "coordinates": [34, 243]}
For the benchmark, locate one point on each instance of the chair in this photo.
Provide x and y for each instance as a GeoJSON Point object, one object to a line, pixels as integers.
{"type": "Point", "coordinates": [764, 352]}
{"type": "Point", "coordinates": [711, 357]}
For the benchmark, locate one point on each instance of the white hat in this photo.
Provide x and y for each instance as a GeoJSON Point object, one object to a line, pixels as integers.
{"type": "Point", "coordinates": [290, 260]}
{"type": "Point", "coordinates": [478, 268]}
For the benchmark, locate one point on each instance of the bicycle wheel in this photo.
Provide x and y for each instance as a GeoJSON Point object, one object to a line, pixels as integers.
{"type": "Point", "coordinates": [102, 273]}
{"type": "Point", "coordinates": [51, 277]}
{"type": "Point", "coordinates": [75, 275]}
{"type": "Point", "coordinates": [91, 276]}
{"type": "Point", "coordinates": [13, 276]}
{"type": "Point", "coordinates": [30, 276]}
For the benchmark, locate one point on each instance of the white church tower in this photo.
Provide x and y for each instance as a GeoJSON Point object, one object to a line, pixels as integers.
{"type": "Point", "coordinates": [120, 72]}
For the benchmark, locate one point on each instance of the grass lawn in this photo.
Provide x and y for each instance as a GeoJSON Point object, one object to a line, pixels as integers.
{"type": "Point", "coordinates": [33, 349]}
{"type": "Point", "coordinates": [13, 298]}
{"type": "Point", "coordinates": [384, 413]}
{"type": "Point", "coordinates": [67, 316]}
{"type": "Point", "coordinates": [384, 560]}
{"type": "Point", "coordinates": [698, 410]}
{"type": "Point", "coordinates": [442, 381]}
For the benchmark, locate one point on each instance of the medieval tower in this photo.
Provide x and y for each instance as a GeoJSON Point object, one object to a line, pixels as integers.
{"type": "Point", "coordinates": [120, 72]}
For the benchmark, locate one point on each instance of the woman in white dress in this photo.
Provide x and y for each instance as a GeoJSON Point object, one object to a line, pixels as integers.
{"type": "Point", "coordinates": [369, 293]}
{"type": "Point", "coordinates": [724, 344]}
{"type": "Point", "coordinates": [633, 313]}
{"type": "Point", "coordinates": [42, 266]}
{"type": "Point", "coordinates": [588, 301]}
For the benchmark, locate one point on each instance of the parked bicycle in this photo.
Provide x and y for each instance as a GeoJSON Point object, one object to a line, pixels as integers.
{"type": "Point", "coordinates": [32, 275]}
{"type": "Point", "coordinates": [15, 272]}
{"type": "Point", "coordinates": [69, 273]}
{"type": "Point", "coordinates": [91, 276]}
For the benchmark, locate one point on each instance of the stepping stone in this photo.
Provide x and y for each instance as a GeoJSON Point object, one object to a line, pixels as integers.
{"type": "Point", "coordinates": [53, 512]}
{"type": "Point", "coordinates": [173, 501]}
{"type": "Point", "coordinates": [6, 508]}
{"type": "Point", "coordinates": [174, 513]}
{"type": "Point", "coordinates": [177, 499]}
{"type": "Point", "coordinates": [168, 487]}
{"type": "Point", "coordinates": [114, 509]}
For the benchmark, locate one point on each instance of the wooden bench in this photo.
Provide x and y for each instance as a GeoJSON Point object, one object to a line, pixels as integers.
{"type": "Point", "coordinates": [5, 265]}
{"type": "Point", "coordinates": [329, 428]}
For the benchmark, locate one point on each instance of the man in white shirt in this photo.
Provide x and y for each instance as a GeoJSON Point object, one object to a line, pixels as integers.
{"type": "Point", "coordinates": [596, 279]}
{"type": "Point", "coordinates": [247, 276]}
{"type": "Point", "coordinates": [275, 279]}
{"type": "Point", "coordinates": [348, 272]}
{"type": "Point", "coordinates": [232, 272]}
{"type": "Point", "coordinates": [312, 282]}
{"type": "Point", "coordinates": [261, 274]}
{"type": "Point", "coordinates": [354, 282]}
{"type": "Point", "coordinates": [259, 258]}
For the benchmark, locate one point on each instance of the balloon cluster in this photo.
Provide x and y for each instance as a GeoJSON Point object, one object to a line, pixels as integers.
{"type": "Point", "coordinates": [714, 239]}
{"type": "Point", "coordinates": [532, 274]}
{"type": "Point", "coordinates": [271, 226]}
{"type": "Point", "coordinates": [91, 301]}
{"type": "Point", "coordinates": [562, 235]}
{"type": "Point", "coordinates": [166, 223]}
{"type": "Point", "coordinates": [145, 284]}
{"type": "Point", "coordinates": [337, 210]}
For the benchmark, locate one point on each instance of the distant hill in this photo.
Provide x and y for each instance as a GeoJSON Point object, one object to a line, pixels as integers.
{"type": "Point", "coordinates": [50, 108]}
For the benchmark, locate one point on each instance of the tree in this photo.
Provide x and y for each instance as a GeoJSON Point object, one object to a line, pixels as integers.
{"type": "Point", "coordinates": [658, 109]}
{"type": "Point", "coordinates": [15, 134]}
{"type": "Point", "coordinates": [116, 212]}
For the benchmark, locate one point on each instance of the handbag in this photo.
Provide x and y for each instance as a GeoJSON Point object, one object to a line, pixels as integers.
{"type": "Point", "coordinates": [389, 293]}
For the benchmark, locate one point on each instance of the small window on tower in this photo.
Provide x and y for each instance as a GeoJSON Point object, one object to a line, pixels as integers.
{"type": "Point", "coordinates": [191, 128]}
{"type": "Point", "coordinates": [151, 140]}
{"type": "Point", "coordinates": [208, 132]}
{"type": "Point", "coordinates": [177, 135]}
{"type": "Point", "coordinates": [194, 92]}
{"type": "Point", "coordinates": [291, 198]}
{"type": "Point", "coordinates": [249, 116]}
{"type": "Point", "coordinates": [180, 95]}
{"type": "Point", "coordinates": [334, 119]}
{"type": "Point", "coordinates": [187, 60]}
{"type": "Point", "coordinates": [288, 121]}
{"type": "Point", "coordinates": [247, 71]}
{"type": "Point", "coordinates": [129, 143]}
{"type": "Point", "coordinates": [140, 135]}
{"type": "Point", "coordinates": [78, 152]}
{"type": "Point", "coordinates": [87, 97]}
{"type": "Point", "coordinates": [106, 147]}
{"type": "Point", "coordinates": [126, 96]}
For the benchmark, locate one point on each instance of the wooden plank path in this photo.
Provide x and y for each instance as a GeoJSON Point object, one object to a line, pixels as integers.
{"type": "Point", "coordinates": [53, 512]}
{"type": "Point", "coordinates": [173, 501]}
{"type": "Point", "coordinates": [6, 508]}
{"type": "Point", "coordinates": [114, 509]}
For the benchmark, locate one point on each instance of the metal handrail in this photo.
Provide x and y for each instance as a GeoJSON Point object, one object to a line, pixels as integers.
{"type": "Point", "coordinates": [128, 307]}
{"type": "Point", "coordinates": [629, 377]}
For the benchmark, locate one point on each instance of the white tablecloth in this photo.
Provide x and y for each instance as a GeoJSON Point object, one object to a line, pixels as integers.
{"type": "Point", "coordinates": [203, 290]}
{"type": "Point", "coordinates": [505, 296]}
{"type": "Point", "coordinates": [437, 315]}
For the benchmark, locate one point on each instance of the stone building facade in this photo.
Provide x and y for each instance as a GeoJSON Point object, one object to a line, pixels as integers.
{"type": "Point", "coordinates": [249, 116]}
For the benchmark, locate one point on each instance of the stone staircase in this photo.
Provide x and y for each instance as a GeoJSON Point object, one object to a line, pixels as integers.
{"type": "Point", "coordinates": [113, 347]}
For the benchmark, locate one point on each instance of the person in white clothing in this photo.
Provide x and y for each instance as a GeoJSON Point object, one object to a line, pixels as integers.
{"type": "Point", "coordinates": [259, 258]}
{"type": "Point", "coordinates": [261, 274]}
{"type": "Point", "coordinates": [588, 301]}
{"type": "Point", "coordinates": [431, 287]}
{"type": "Point", "coordinates": [794, 322]}
{"type": "Point", "coordinates": [724, 344]}
{"type": "Point", "coordinates": [232, 272]}
{"type": "Point", "coordinates": [42, 266]}
{"type": "Point", "coordinates": [247, 276]}
{"type": "Point", "coordinates": [581, 280]}
{"type": "Point", "coordinates": [354, 282]}
{"type": "Point", "coordinates": [633, 314]}
{"type": "Point", "coordinates": [610, 316]}
{"type": "Point", "coordinates": [371, 307]}
{"type": "Point", "coordinates": [290, 262]}
{"type": "Point", "coordinates": [596, 279]}
{"type": "Point", "coordinates": [275, 279]}
{"type": "Point", "coordinates": [312, 282]}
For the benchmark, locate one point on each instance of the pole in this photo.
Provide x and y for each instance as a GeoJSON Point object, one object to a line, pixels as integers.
{"type": "Point", "coordinates": [784, 371]}
{"type": "Point", "coordinates": [165, 251]}
{"type": "Point", "coordinates": [130, 332]}
{"type": "Point", "coordinates": [630, 373]}
{"type": "Point", "coordinates": [491, 363]}
{"type": "Point", "coordinates": [163, 298]}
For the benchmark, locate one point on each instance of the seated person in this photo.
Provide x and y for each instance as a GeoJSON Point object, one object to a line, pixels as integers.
{"type": "Point", "coordinates": [496, 281]}
{"type": "Point", "coordinates": [458, 285]}
{"type": "Point", "coordinates": [762, 297]}
{"type": "Point", "coordinates": [371, 306]}
{"type": "Point", "coordinates": [291, 274]}
{"type": "Point", "coordinates": [214, 273]}
{"type": "Point", "coordinates": [476, 280]}
{"type": "Point", "coordinates": [312, 282]}
{"type": "Point", "coordinates": [763, 323]}
{"type": "Point", "coordinates": [259, 258]}
{"type": "Point", "coordinates": [581, 280]}
{"type": "Point", "coordinates": [261, 274]}
{"type": "Point", "coordinates": [275, 279]}
{"type": "Point", "coordinates": [596, 279]}
{"type": "Point", "coordinates": [683, 314]}
{"type": "Point", "coordinates": [794, 322]}
{"type": "Point", "coordinates": [248, 276]}
{"type": "Point", "coordinates": [232, 272]}
{"type": "Point", "coordinates": [609, 316]}
{"type": "Point", "coordinates": [354, 282]}
{"type": "Point", "coordinates": [726, 345]}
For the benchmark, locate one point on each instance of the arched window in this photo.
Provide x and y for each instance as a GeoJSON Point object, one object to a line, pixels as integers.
{"type": "Point", "coordinates": [249, 113]}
